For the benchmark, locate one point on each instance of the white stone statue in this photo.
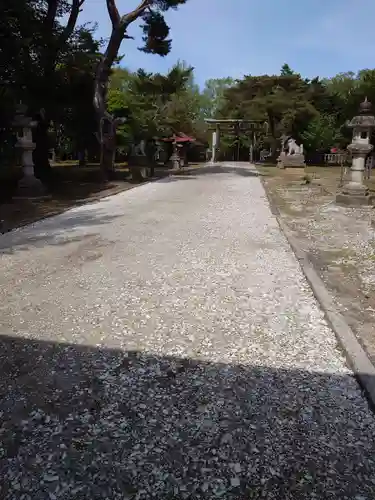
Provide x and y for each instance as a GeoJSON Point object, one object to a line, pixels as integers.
{"type": "Point", "coordinates": [293, 148]}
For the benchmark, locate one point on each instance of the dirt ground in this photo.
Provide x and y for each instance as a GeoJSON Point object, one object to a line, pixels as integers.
{"type": "Point", "coordinates": [77, 185]}
{"type": "Point", "coordinates": [340, 241]}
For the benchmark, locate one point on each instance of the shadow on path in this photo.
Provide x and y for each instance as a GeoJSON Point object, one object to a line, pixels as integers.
{"type": "Point", "coordinates": [92, 423]}
{"type": "Point", "coordinates": [58, 230]}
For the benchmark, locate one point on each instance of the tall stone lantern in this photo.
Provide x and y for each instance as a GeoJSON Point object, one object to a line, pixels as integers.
{"type": "Point", "coordinates": [29, 185]}
{"type": "Point", "coordinates": [355, 193]}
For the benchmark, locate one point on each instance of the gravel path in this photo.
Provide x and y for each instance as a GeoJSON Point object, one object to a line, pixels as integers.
{"type": "Point", "coordinates": [164, 344]}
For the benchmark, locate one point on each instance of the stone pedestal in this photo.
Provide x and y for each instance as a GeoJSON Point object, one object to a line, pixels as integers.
{"type": "Point", "coordinates": [140, 168]}
{"type": "Point", "coordinates": [175, 158]}
{"type": "Point", "coordinates": [355, 193]}
{"type": "Point", "coordinates": [291, 161]}
{"type": "Point", "coordinates": [29, 186]}
{"type": "Point", "coordinates": [354, 198]}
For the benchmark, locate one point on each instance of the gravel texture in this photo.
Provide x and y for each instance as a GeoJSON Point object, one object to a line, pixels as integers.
{"type": "Point", "coordinates": [340, 243]}
{"type": "Point", "coordinates": [164, 344]}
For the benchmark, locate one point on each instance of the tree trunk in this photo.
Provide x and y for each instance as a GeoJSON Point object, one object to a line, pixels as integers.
{"type": "Point", "coordinates": [81, 157]}
{"type": "Point", "coordinates": [120, 24]}
{"type": "Point", "coordinates": [274, 147]}
{"type": "Point", "coordinates": [274, 142]}
{"type": "Point", "coordinates": [42, 167]}
{"type": "Point", "coordinates": [106, 122]}
{"type": "Point", "coordinates": [107, 151]}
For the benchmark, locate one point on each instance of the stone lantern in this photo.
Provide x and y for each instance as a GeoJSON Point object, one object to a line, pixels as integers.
{"type": "Point", "coordinates": [355, 193]}
{"type": "Point", "coordinates": [175, 157]}
{"type": "Point", "coordinates": [29, 185]}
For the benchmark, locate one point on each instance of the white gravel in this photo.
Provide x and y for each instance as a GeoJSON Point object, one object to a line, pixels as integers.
{"type": "Point", "coordinates": [163, 343]}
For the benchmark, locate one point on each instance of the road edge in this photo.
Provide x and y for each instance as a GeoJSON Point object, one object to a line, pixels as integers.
{"type": "Point", "coordinates": [356, 356]}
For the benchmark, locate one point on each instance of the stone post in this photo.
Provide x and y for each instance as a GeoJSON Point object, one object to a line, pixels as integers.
{"type": "Point", "coordinates": [355, 193]}
{"type": "Point", "coordinates": [29, 186]}
{"type": "Point", "coordinates": [252, 147]}
{"type": "Point", "coordinates": [215, 143]}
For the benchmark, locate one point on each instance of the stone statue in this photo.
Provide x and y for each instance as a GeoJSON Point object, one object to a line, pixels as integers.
{"type": "Point", "coordinates": [291, 154]}
{"type": "Point", "coordinates": [293, 148]}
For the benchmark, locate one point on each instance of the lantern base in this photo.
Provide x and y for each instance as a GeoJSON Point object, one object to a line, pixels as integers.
{"type": "Point", "coordinates": [30, 187]}
{"type": "Point", "coordinates": [354, 200]}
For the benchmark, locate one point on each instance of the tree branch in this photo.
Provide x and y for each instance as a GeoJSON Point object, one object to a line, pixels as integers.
{"type": "Point", "coordinates": [71, 24]}
{"type": "Point", "coordinates": [113, 13]}
{"type": "Point", "coordinates": [133, 15]}
{"type": "Point", "coordinates": [49, 20]}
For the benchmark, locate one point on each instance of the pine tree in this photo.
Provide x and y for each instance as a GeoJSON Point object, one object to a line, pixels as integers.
{"type": "Point", "coordinates": [286, 70]}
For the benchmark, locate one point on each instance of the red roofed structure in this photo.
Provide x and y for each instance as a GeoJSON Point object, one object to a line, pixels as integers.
{"type": "Point", "coordinates": [180, 138]}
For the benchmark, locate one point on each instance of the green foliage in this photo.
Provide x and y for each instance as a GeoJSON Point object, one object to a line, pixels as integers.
{"type": "Point", "coordinates": [155, 29]}
{"type": "Point", "coordinates": [213, 96]}
{"type": "Point", "coordinates": [321, 133]}
{"type": "Point", "coordinates": [155, 33]}
{"type": "Point", "coordinates": [155, 104]}
{"type": "Point", "coordinates": [286, 70]}
{"type": "Point", "coordinates": [313, 111]}
{"type": "Point", "coordinates": [281, 101]}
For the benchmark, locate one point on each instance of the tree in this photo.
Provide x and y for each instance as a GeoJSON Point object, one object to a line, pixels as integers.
{"type": "Point", "coordinates": [155, 39]}
{"type": "Point", "coordinates": [48, 44]}
{"type": "Point", "coordinates": [213, 96]}
{"type": "Point", "coordinates": [17, 22]}
{"type": "Point", "coordinates": [42, 53]}
{"type": "Point", "coordinates": [179, 103]}
{"type": "Point", "coordinates": [286, 70]}
{"type": "Point", "coordinates": [73, 112]}
{"type": "Point", "coordinates": [282, 101]}
{"type": "Point", "coordinates": [121, 103]}
{"type": "Point", "coordinates": [153, 104]}
{"type": "Point", "coordinates": [322, 133]}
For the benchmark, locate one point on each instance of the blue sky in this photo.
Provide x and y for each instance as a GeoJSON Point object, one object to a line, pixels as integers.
{"type": "Point", "coordinates": [235, 37]}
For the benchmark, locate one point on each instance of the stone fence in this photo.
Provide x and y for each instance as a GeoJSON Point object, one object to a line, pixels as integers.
{"type": "Point", "coordinates": [337, 158]}
{"type": "Point", "coordinates": [345, 160]}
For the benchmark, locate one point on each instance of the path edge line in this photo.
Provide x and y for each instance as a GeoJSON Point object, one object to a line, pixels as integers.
{"type": "Point", "coordinates": [356, 356]}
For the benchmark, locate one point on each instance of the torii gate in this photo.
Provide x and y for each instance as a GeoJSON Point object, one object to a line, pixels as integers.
{"type": "Point", "coordinates": [234, 126]}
